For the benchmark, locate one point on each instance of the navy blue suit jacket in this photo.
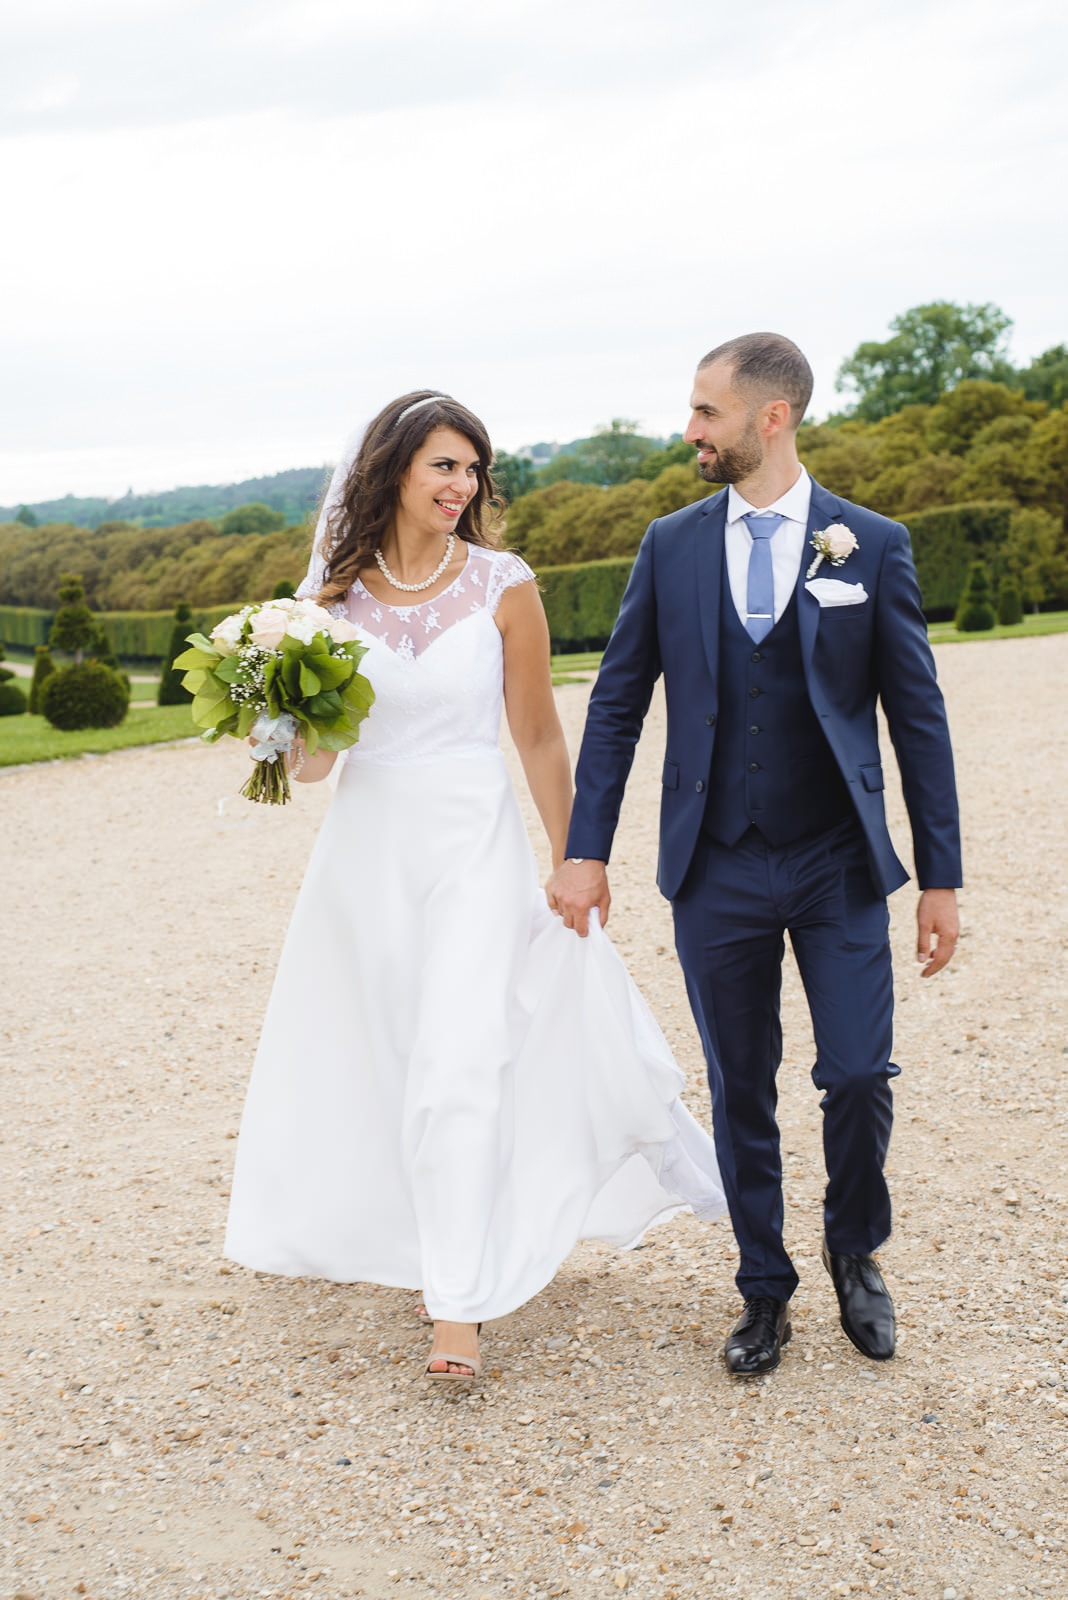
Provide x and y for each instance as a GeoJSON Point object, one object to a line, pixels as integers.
{"type": "Point", "coordinates": [853, 656]}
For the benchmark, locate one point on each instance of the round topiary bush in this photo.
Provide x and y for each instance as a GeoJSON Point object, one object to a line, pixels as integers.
{"type": "Point", "coordinates": [88, 695]}
{"type": "Point", "coordinates": [283, 590]}
{"type": "Point", "coordinates": [12, 700]}
{"type": "Point", "coordinates": [1010, 606]}
{"type": "Point", "coordinates": [976, 614]}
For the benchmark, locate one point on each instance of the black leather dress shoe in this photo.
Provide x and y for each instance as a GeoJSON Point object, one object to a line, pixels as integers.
{"type": "Point", "coordinates": [865, 1303]}
{"type": "Point", "coordinates": [756, 1340]}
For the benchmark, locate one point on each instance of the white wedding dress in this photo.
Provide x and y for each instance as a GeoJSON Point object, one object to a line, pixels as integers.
{"type": "Point", "coordinates": [451, 1088]}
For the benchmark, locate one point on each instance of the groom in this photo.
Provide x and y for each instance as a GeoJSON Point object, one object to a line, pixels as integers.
{"type": "Point", "coordinates": [779, 616]}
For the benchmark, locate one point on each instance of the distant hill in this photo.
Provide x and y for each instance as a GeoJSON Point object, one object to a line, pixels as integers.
{"type": "Point", "coordinates": [294, 493]}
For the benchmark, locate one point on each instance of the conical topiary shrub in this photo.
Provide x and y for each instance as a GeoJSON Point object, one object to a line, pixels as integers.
{"type": "Point", "coordinates": [12, 698]}
{"type": "Point", "coordinates": [283, 590]}
{"type": "Point", "coordinates": [43, 668]}
{"type": "Point", "coordinates": [1010, 605]}
{"type": "Point", "coordinates": [975, 614]}
{"type": "Point", "coordinates": [171, 690]}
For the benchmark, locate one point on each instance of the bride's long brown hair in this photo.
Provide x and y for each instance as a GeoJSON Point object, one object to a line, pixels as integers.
{"type": "Point", "coordinates": [360, 519]}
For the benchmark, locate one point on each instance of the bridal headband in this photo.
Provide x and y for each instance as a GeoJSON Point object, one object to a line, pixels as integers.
{"type": "Point", "coordinates": [426, 401]}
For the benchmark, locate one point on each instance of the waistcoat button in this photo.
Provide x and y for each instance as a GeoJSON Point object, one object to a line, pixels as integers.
{"type": "Point", "coordinates": [754, 766]}
{"type": "Point", "coordinates": [754, 691]}
{"type": "Point", "coordinates": [753, 728]}
{"type": "Point", "coordinates": [756, 656]}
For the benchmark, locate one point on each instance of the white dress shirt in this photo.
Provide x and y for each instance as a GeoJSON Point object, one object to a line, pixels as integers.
{"type": "Point", "coordinates": [787, 543]}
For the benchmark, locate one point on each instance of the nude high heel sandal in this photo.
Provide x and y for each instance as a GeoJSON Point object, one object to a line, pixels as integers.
{"type": "Point", "coordinates": [474, 1362]}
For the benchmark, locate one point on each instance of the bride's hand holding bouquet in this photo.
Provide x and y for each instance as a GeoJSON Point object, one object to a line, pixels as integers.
{"type": "Point", "coordinates": [278, 672]}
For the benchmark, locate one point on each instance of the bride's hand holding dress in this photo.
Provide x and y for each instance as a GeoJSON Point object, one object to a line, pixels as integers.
{"type": "Point", "coordinates": [479, 1089]}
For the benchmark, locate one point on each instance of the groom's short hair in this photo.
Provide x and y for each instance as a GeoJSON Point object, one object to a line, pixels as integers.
{"type": "Point", "coordinates": [767, 366]}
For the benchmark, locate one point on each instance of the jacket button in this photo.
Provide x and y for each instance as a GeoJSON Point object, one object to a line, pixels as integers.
{"type": "Point", "coordinates": [753, 728]}
{"type": "Point", "coordinates": [754, 766]}
{"type": "Point", "coordinates": [700, 786]}
{"type": "Point", "coordinates": [711, 719]}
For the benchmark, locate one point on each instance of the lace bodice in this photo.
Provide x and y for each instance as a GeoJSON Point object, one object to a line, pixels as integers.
{"type": "Point", "coordinates": [411, 629]}
{"type": "Point", "coordinates": [437, 665]}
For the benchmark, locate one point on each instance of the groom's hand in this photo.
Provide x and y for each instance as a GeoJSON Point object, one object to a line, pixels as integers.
{"type": "Point", "coordinates": [574, 889]}
{"type": "Point", "coordinates": [939, 929]}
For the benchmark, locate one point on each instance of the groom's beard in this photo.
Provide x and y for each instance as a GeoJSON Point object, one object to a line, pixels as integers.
{"type": "Point", "coordinates": [734, 463]}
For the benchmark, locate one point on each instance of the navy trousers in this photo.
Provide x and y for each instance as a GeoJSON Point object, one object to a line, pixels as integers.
{"type": "Point", "coordinates": [731, 915]}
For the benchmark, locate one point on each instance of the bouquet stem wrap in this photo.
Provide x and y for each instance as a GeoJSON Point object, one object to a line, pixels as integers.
{"type": "Point", "coordinates": [274, 740]}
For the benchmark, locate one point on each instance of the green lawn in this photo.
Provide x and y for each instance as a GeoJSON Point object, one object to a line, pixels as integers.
{"type": "Point", "coordinates": [580, 669]}
{"type": "Point", "coordinates": [576, 669]}
{"type": "Point", "coordinates": [1030, 628]}
{"type": "Point", "coordinates": [29, 738]}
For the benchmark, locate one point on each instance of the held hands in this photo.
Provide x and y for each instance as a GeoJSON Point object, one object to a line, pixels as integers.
{"type": "Point", "coordinates": [938, 929]}
{"type": "Point", "coordinates": [573, 891]}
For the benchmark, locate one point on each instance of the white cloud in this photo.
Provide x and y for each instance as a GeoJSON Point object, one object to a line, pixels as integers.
{"type": "Point", "coordinates": [550, 211]}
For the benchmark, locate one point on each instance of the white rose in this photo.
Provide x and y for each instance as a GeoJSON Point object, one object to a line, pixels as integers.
{"type": "Point", "coordinates": [841, 542]}
{"type": "Point", "coordinates": [226, 635]}
{"type": "Point", "coordinates": [302, 628]}
{"type": "Point", "coordinates": [268, 627]}
{"type": "Point", "coordinates": [311, 608]}
{"type": "Point", "coordinates": [341, 630]}
{"type": "Point", "coordinates": [284, 603]}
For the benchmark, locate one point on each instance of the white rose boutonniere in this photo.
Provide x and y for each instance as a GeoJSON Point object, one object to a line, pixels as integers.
{"type": "Point", "coordinates": [833, 545]}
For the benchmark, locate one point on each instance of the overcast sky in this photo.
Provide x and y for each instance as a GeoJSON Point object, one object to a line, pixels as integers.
{"type": "Point", "coordinates": [234, 230]}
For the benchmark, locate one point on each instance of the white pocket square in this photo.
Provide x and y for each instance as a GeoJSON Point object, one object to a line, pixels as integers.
{"type": "Point", "coordinates": [834, 592]}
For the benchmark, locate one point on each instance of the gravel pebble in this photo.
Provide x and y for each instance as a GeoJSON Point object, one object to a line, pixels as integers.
{"type": "Point", "coordinates": [175, 1426]}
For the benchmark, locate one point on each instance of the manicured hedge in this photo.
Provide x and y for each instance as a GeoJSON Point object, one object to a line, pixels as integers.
{"type": "Point", "coordinates": [24, 627]}
{"type": "Point", "coordinates": [134, 635]}
{"type": "Point", "coordinates": [581, 602]}
{"type": "Point", "coordinates": [945, 542]}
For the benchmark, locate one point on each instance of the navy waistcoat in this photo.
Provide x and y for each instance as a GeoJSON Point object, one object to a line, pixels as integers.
{"type": "Point", "coordinates": [772, 768]}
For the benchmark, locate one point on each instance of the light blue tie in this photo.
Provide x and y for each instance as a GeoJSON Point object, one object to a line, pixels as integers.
{"type": "Point", "coordinates": [760, 583]}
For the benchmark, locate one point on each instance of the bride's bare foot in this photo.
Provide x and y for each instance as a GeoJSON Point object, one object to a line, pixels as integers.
{"type": "Point", "coordinates": [455, 1352]}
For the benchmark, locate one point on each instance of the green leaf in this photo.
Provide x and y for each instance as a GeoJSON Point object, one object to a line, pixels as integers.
{"type": "Point", "coordinates": [229, 669]}
{"type": "Point", "coordinates": [325, 707]}
{"type": "Point", "coordinates": [197, 658]}
{"type": "Point", "coordinates": [210, 704]}
{"type": "Point", "coordinates": [309, 681]}
{"type": "Point", "coordinates": [199, 642]}
{"type": "Point", "coordinates": [332, 672]}
{"type": "Point", "coordinates": [359, 697]}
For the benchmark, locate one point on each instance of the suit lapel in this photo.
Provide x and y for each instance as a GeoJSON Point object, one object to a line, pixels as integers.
{"type": "Point", "coordinates": [709, 535]}
{"type": "Point", "coordinates": [823, 509]}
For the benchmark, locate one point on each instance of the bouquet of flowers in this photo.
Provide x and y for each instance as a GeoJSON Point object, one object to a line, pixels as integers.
{"type": "Point", "coordinates": [273, 672]}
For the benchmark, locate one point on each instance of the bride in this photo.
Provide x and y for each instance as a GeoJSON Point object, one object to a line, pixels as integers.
{"type": "Point", "coordinates": [451, 1088]}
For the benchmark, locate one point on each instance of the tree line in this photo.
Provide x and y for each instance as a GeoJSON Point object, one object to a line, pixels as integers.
{"type": "Point", "coordinates": [937, 429]}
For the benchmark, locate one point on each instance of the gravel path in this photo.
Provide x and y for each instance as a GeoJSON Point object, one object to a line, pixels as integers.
{"type": "Point", "coordinates": [176, 1427]}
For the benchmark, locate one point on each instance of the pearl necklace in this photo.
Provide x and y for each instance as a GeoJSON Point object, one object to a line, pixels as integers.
{"type": "Point", "coordinates": [413, 588]}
